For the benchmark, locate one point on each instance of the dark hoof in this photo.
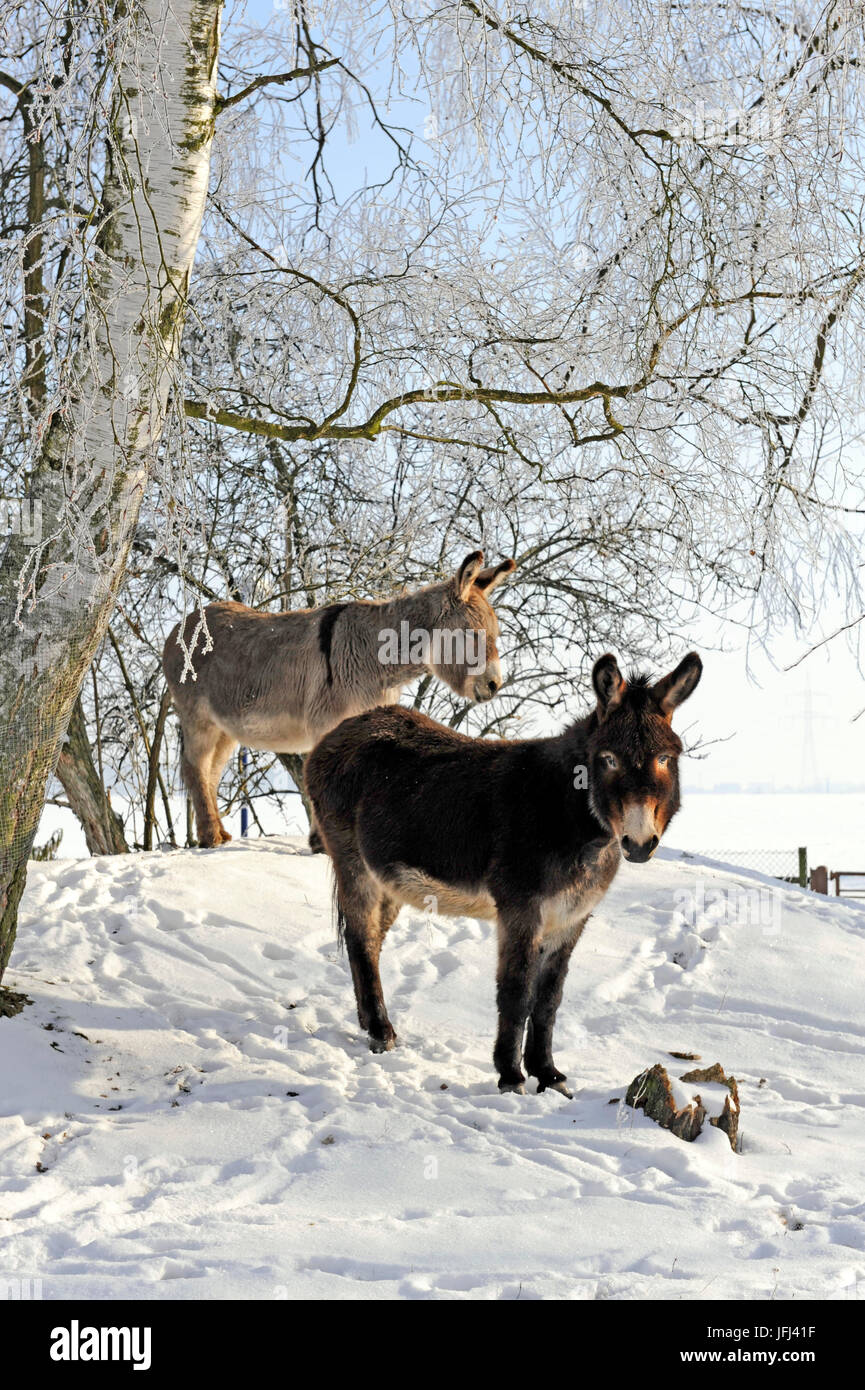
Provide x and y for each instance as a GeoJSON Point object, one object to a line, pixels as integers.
{"type": "Point", "coordinates": [383, 1044]}
{"type": "Point", "coordinates": [551, 1079]}
{"type": "Point", "coordinates": [316, 843]}
{"type": "Point", "coordinates": [517, 1086]}
{"type": "Point", "coordinates": [555, 1086]}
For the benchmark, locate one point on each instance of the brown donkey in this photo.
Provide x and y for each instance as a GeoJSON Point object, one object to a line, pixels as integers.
{"type": "Point", "coordinates": [529, 834]}
{"type": "Point", "coordinates": [280, 681]}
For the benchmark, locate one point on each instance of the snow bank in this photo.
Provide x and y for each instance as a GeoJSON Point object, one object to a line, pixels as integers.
{"type": "Point", "coordinates": [189, 1110]}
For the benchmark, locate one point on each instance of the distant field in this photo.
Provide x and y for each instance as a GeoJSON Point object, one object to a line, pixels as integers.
{"type": "Point", "coordinates": [831, 824]}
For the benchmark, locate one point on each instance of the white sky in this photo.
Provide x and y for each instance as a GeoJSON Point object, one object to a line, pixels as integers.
{"type": "Point", "coordinates": [789, 728]}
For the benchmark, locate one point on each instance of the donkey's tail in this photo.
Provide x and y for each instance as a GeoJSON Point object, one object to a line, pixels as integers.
{"type": "Point", "coordinates": [339, 914]}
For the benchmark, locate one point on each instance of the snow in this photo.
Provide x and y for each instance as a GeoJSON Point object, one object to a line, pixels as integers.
{"type": "Point", "coordinates": [712, 1095]}
{"type": "Point", "coordinates": [208, 1122]}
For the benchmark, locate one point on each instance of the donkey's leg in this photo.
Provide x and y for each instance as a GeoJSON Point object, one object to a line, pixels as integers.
{"type": "Point", "coordinates": [201, 738]}
{"type": "Point", "coordinates": [294, 766]}
{"type": "Point", "coordinates": [315, 842]}
{"type": "Point", "coordinates": [222, 751]}
{"type": "Point", "coordinates": [515, 981]}
{"type": "Point", "coordinates": [368, 915]}
{"type": "Point", "coordinates": [549, 985]}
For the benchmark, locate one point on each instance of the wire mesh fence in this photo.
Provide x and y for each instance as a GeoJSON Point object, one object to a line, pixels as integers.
{"type": "Point", "coordinates": [786, 864]}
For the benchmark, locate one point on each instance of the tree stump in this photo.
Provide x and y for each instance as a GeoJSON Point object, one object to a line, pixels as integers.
{"type": "Point", "coordinates": [653, 1092]}
{"type": "Point", "coordinates": [11, 1003]}
{"type": "Point", "coordinates": [728, 1120]}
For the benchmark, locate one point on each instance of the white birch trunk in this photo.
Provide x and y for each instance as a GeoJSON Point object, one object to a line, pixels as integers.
{"type": "Point", "coordinates": [94, 466]}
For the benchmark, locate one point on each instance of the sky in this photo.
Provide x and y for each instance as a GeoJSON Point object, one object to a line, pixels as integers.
{"type": "Point", "coordinates": [790, 729]}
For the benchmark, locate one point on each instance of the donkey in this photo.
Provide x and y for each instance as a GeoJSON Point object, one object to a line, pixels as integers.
{"type": "Point", "coordinates": [528, 833]}
{"type": "Point", "coordinates": [280, 681]}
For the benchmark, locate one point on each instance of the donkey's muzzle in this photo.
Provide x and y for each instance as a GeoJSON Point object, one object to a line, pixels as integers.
{"type": "Point", "coordinates": [638, 853]}
{"type": "Point", "coordinates": [485, 687]}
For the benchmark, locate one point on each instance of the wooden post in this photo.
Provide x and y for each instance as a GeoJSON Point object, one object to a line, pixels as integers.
{"type": "Point", "coordinates": [803, 866]}
{"type": "Point", "coordinates": [820, 879]}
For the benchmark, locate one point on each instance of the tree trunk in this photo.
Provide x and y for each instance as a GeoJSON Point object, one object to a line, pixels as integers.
{"type": "Point", "coordinates": [85, 791]}
{"type": "Point", "coordinates": [293, 764]}
{"type": "Point", "coordinates": [153, 775]}
{"type": "Point", "coordinates": [56, 597]}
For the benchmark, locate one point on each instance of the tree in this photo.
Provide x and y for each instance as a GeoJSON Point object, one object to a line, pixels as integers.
{"type": "Point", "coordinates": [624, 262]}
{"type": "Point", "coordinates": [87, 453]}
{"type": "Point", "coordinates": [85, 789]}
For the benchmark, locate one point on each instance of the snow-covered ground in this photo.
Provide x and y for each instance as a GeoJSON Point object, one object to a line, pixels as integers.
{"type": "Point", "coordinates": [188, 1109]}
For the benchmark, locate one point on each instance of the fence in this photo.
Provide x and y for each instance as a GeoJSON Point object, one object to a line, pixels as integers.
{"type": "Point", "coordinates": [856, 888]}
{"type": "Point", "coordinates": [791, 865]}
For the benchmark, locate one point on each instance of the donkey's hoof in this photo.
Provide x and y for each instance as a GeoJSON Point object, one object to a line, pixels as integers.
{"type": "Point", "coordinates": [556, 1086]}
{"type": "Point", "coordinates": [383, 1044]}
{"type": "Point", "coordinates": [518, 1088]}
{"type": "Point", "coordinates": [214, 840]}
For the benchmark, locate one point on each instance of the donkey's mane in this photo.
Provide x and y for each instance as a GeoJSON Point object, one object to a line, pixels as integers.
{"type": "Point", "coordinates": [638, 696]}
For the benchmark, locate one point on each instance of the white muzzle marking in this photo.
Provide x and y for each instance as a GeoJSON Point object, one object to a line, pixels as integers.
{"type": "Point", "coordinates": [638, 822]}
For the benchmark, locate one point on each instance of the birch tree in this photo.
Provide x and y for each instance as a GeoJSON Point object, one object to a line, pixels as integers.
{"type": "Point", "coordinates": [145, 75]}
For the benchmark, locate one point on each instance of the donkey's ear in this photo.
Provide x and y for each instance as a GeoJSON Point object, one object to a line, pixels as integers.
{"type": "Point", "coordinates": [468, 572]}
{"type": "Point", "coordinates": [673, 689]}
{"type": "Point", "coordinates": [489, 578]}
{"type": "Point", "coordinates": [610, 685]}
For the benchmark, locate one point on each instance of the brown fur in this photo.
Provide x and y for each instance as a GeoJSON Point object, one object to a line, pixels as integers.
{"type": "Point", "coordinates": [413, 812]}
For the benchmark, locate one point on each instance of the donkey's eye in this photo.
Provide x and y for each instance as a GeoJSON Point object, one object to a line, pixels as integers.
{"type": "Point", "coordinates": [610, 760]}
{"type": "Point", "coordinates": [663, 760]}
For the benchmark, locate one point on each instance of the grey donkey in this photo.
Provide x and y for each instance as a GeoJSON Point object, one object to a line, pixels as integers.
{"type": "Point", "coordinates": [281, 681]}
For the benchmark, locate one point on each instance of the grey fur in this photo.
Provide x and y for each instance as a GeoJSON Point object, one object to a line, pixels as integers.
{"type": "Point", "coordinates": [281, 681]}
